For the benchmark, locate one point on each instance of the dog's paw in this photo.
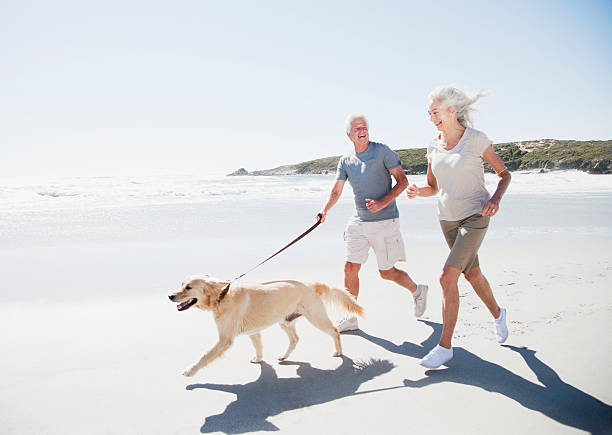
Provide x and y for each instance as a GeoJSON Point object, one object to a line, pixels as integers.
{"type": "Point", "coordinates": [337, 354]}
{"type": "Point", "coordinates": [256, 360]}
{"type": "Point", "coordinates": [190, 372]}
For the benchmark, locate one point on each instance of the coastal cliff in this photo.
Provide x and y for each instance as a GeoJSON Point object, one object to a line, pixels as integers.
{"type": "Point", "coordinates": [545, 154]}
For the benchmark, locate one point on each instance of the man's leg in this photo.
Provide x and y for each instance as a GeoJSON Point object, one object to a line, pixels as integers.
{"type": "Point", "coordinates": [351, 282]}
{"type": "Point", "coordinates": [356, 247]}
{"type": "Point", "coordinates": [400, 277]}
{"type": "Point", "coordinates": [351, 277]}
{"type": "Point", "coordinates": [388, 244]}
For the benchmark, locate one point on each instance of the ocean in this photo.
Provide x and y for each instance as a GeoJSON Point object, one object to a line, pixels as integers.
{"type": "Point", "coordinates": [20, 195]}
{"type": "Point", "coordinates": [98, 235]}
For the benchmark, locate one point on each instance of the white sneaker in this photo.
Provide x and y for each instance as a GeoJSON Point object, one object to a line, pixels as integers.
{"type": "Point", "coordinates": [436, 357]}
{"type": "Point", "coordinates": [347, 324]}
{"type": "Point", "coordinates": [420, 301]}
{"type": "Point", "coordinates": [501, 329]}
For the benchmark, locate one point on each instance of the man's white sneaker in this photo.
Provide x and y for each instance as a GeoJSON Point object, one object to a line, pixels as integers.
{"type": "Point", "coordinates": [501, 329]}
{"type": "Point", "coordinates": [348, 324]}
{"type": "Point", "coordinates": [420, 301]}
{"type": "Point", "coordinates": [436, 357]}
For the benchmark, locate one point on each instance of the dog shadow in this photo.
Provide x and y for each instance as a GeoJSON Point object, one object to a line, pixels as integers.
{"type": "Point", "coordinates": [555, 398]}
{"type": "Point", "coordinates": [270, 395]}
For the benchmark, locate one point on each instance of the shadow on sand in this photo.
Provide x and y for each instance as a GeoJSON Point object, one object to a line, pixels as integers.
{"type": "Point", "coordinates": [554, 398]}
{"type": "Point", "coordinates": [270, 395]}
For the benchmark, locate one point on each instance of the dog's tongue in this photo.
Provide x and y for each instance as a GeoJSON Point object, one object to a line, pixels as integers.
{"type": "Point", "coordinates": [184, 305]}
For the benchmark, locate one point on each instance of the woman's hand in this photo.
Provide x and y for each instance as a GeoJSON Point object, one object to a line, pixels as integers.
{"type": "Point", "coordinates": [429, 189]}
{"type": "Point", "coordinates": [412, 191]}
{"type": "Point", "coordinates": [490, 208]}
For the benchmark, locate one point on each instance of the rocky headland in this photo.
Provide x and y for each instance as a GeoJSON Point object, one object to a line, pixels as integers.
{"type": "Point", "coordinates": [545, 154]}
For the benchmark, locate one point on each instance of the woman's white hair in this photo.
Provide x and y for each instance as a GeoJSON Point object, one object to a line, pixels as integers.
{"type": "Point", "coordinates": [353, 116]}
{"type": "Point", "coordinates": [450, 96]}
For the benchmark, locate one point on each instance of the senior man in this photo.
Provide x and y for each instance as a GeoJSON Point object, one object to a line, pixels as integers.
{"type": "Point", "coordinates": [376, 221]}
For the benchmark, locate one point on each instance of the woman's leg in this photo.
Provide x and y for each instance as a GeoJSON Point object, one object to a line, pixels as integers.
{"type": "Point", "coordinates": [484, 292]}
{"type": "Point", "coordinates": [450, 303]}
{"type": "Point", "coordinates": [481, 286]}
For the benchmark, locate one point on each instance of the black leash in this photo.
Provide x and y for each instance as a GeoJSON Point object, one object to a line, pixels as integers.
{"type": "Point", "coordinates": [226, 289]}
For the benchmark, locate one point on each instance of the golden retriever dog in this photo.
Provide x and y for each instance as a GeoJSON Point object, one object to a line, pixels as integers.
{"type": "Point", "coordinates": [247, 308]}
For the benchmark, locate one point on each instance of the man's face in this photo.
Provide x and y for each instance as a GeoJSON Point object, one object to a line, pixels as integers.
{"type": "Point", "coordinates": [359, 133]}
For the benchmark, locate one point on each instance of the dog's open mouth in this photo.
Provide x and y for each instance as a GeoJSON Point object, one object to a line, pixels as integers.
{"type": "Point", "coordinates": [184, 305]}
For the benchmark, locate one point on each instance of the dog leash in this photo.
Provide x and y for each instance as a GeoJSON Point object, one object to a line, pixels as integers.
{"type": "Point", "coordinates": [226, 289]}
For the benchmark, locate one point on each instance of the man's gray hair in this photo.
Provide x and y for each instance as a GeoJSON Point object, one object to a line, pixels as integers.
{"type": "Point", "coordinates": [450, 96]}
{"type": "Point", "coordinates": [353, 116]}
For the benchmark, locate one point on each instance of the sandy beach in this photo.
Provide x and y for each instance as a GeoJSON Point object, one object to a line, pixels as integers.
{"type": "Point", "coordinates": [143, 143]}
{"type": "Point", "coordinates": [91, 344]}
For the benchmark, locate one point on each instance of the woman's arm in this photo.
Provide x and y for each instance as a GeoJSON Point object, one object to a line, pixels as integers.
{"type": "Point", "coordinates": [430, 189]}
{"type": "Point", "coordinates": [492, 205]}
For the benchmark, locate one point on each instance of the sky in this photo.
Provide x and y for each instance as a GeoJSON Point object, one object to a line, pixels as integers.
{"type": "Point", "coordinates": [121, 87]}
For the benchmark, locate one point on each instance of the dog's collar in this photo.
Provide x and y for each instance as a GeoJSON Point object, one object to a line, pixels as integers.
{"type": "Point", "coordinates": [223, 292]}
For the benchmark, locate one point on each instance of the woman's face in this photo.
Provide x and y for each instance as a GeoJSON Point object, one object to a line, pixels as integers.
{"type": "Point", "coordinates": [441, 116]}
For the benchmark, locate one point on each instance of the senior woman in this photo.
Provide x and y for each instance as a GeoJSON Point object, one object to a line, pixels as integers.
{"type": "Point", "coordinates": [455, 170]}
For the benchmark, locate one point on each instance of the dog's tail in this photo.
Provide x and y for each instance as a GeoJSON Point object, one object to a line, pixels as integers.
{"type": "Point", "coordinates": [339, 297]}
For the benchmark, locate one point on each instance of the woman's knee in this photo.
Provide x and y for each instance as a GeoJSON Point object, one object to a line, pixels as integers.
{"type": "Point", "coordinates": [449, 278]}
{"type": "Point", "coordinates": [474, 275]}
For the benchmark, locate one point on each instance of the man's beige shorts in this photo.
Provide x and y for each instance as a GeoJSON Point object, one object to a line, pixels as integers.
{"type": "Point", "coordinates": [383, 237]}
{"type": "Point", "coordinates": [464, 237]}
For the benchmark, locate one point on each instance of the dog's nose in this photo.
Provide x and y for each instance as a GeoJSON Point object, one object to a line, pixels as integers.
{"type": "Point", "coordinates": [171, 297]}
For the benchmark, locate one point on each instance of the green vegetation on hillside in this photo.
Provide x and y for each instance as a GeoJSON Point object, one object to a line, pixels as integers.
{"type": "Point", "coordinates": [590, 156]}
{"type": "Point", "coordinates": [545, 154]}
{"type": "Point", "coordinates": [413, 160]}
{"type": "Point", "coordinates": [319, 166]}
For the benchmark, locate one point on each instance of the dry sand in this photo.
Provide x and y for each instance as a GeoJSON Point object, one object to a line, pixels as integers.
{"type": "Point", "coordinates": [113, 366]}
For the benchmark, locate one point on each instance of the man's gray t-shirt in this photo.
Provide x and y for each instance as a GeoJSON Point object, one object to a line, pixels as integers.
{"type": "Point", "coordinates": [368, 174]}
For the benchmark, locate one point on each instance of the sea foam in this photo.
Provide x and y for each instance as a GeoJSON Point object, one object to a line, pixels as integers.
{"type": "Point", "coordinates": [19, 195]}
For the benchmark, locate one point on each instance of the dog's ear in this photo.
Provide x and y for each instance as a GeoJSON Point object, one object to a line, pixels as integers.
{"type": "Point", "coordinates": [221, 285]}
{"type": "Point", "coordinates": [214, 286]}
{"type": "Point", "coordinates": [211, 292]}
{"type": "Point", "coordinates": [221, 289]}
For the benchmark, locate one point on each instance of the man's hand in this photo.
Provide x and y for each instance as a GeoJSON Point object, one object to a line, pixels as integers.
{"type": "Point", "coordinates": [321, 216]}
{"type": "Point", "coordinates": [374, 205]}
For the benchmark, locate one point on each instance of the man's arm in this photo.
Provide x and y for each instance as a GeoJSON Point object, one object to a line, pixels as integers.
{"type": "Point", "coordinates": [334, 196]}
{"type": "Point", "coordinates": [401, 182]}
